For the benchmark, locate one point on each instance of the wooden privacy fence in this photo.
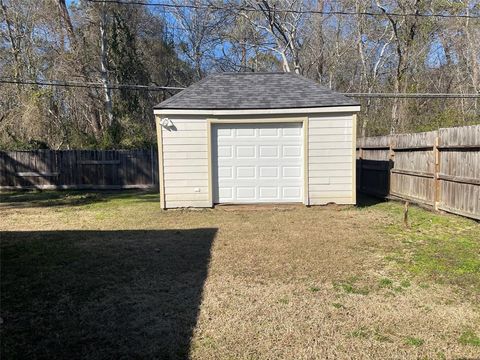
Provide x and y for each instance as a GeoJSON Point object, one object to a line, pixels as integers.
{"type": "Point", "coordinates": [440, 168]}
{"type": "Point", "coordinates": [78, 169]}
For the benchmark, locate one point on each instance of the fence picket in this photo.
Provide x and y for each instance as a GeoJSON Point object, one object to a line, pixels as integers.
{"type": "Point", "coordinates": [78, 169]}
{"type": "Point", "coordinates": [438, 168]}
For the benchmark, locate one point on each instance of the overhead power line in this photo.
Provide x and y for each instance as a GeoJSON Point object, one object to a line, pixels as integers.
{"type": "Point", "coordinates": [94, 85]}
{"type": "Point", "coordinates": [248, 8]}
{"type": "Point", "coordinates": [414, 95]}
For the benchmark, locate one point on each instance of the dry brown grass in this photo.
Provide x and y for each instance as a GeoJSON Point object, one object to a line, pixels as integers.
{"type": "Point", "coordinates": [280, 282]}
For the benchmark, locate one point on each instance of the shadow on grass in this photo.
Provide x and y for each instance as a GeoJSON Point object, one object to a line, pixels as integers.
{"type": "Point", "coordinates": [365, 201]}
{"type": "Point", "coordinates": [71, 197]}
{"type": "Point", "coordinates": [102, 294]}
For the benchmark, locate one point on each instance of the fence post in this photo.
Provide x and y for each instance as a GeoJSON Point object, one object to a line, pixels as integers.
{"type": "Point", "coordinates": [360, 163]}
{"type": "Point", "coordinates": [436, 171]}
{"type": "Point", "coordinates": [391, 160]}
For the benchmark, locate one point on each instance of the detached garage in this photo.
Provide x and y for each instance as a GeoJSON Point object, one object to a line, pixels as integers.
{"type": "Point", "coordinates": [245, 138]}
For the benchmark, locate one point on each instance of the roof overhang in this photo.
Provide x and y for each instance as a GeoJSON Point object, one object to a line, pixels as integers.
{"type": "Point", "coordinates": [314, 110]}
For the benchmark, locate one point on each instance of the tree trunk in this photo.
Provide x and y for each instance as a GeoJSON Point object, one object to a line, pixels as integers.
{"type": "Point", "coordinates": [364, 80]}
{"type": "Point", "coordinates": [62, 7]}
{"type": "Point", "coordinates": [473, 58]}
{"type": "Point", "coordinates": [243, 45]}
{"type": "Point", "coordinates": [320, 62]}
{"type": "Point", "coordinates": [286, 66]}
{"type": "Point", "coordinates": [103, 66]}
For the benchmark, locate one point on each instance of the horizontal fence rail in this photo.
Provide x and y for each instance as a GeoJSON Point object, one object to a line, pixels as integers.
{"type": "Point", "coordinates": [440, 168]}
{"type": "Point", "coordinates": [78, 169]}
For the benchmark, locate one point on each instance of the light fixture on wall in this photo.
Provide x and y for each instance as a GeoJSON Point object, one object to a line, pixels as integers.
{"type": "Point", "coordinates": [166, 123]}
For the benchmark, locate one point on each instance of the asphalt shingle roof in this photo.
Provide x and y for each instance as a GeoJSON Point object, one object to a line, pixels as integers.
{"type": "Point", "coordinates": [231, 91]}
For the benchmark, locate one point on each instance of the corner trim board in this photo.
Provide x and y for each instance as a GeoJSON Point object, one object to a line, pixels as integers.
{"type": "Point", "coordinates": [354, 158]}
{"type": "Point", "coordinates": [209, 154]}
{"type": "Point", "coordinates": [161, 177]}
{"type": "Point", "coordinates": [306, 172]}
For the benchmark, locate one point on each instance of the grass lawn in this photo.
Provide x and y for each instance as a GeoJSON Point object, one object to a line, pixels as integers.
{"type": "Point", "coordinates": [111, 276]}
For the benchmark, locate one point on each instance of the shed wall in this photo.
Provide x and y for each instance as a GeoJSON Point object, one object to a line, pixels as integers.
{"type": "Point", "coordinates": [330, 161]}
{"type": "Point", "coordinates": [185, 162]}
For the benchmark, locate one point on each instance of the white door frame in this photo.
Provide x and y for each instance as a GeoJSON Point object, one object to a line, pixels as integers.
{"type": "Point", "coordinates": [303, 120]}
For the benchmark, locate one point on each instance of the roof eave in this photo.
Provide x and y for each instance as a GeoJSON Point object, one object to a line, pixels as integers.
{"type": "Point", "coordinates": [278, 111]}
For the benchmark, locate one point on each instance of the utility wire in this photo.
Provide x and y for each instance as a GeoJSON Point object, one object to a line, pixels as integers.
{"type": "Point", "coordinates": [248, 8]}
{"type": "Point", "coordinates": [92, 85]}
{"type": "Point", "coordinates": [413, 95]}
{"type": "Point", "coordinates": [76, 84]}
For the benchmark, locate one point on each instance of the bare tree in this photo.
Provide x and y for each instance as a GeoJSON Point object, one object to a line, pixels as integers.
{"type": "Point", "coordinates": [200, 33]}
{"type": "Point", "coordinates": [282, 26]}
{"type": "Point", "coordinates": [111, 44]}
{"type": "Point", "coordinates": [404, 33]}
{"type": "Point", "coordinates": [13, 38]}
{"type": "Point", "coordinates": [65, 16]}
{"type": "Point", "coordinates": [103, 65]}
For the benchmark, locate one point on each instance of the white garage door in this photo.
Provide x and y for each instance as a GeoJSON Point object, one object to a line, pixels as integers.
{"type": "Point", "coordinates": [257, 163]}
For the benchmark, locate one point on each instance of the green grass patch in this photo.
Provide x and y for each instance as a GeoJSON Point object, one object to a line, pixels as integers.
{"type": "Point", "coordinates": [350, 286]}
{"type": "Point", "coordinates": [380, 337]}
{"type": "Point", "coordinates": [360, 333]}
{"type": "Point", "coordinates": [385, 283]}
{"type": "Point", "coordinates": [413, 341]}
{"type": "Point", "coordinates": [68, 198]}
{"type": "Point", "coordinates": [442, 248]}
{"type": "Point", "coordinates": [468, 337]}
{"type": "Point", "coordinates": [364, 333]}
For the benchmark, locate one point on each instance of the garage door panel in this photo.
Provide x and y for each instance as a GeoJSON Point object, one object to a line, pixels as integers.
{"type": "Point", "coordinates": [269, 172]}
{"type": "Point", "coordinates": [291, 193]}
{"type": "Point", "coordinates": [244, 132]}
{"type": "Point", "coordinates": [292, 172]}
{"type": "Point", "coordinates": [257, 163]}
{"type": "Point", "coordinates": [246, 172]}
{"type": "Point", "coordinates": [245, 151]}
{"type": "Point", "coordinates": [225, 172]}
{"type": "Point", "coordinates": [224, 133]}
{"type": "Point", "coordinates": [246, 193]}
{"type": "Point", "coordinates": [269, 192]}
{"type": "Point", "coordinates": [252, 182]}
{"type": "Point", "coordinates": [226, 193]}
{"type": "Point", "coordinates": [270, 132]}
{"type": "Point", "coordinates": [292, 151]}
{"type": "Point", "coordinates": [225, 151]}
{"type": "Point", "coordinates": [269, 151]}
{"type": "Point", "coordinates": [292, 131]}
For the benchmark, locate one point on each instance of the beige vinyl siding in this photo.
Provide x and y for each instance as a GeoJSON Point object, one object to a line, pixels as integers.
{"type": "Point", "coordinates": [185, 162]}
{"type": "Point", "coordinates": [330, 160]}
